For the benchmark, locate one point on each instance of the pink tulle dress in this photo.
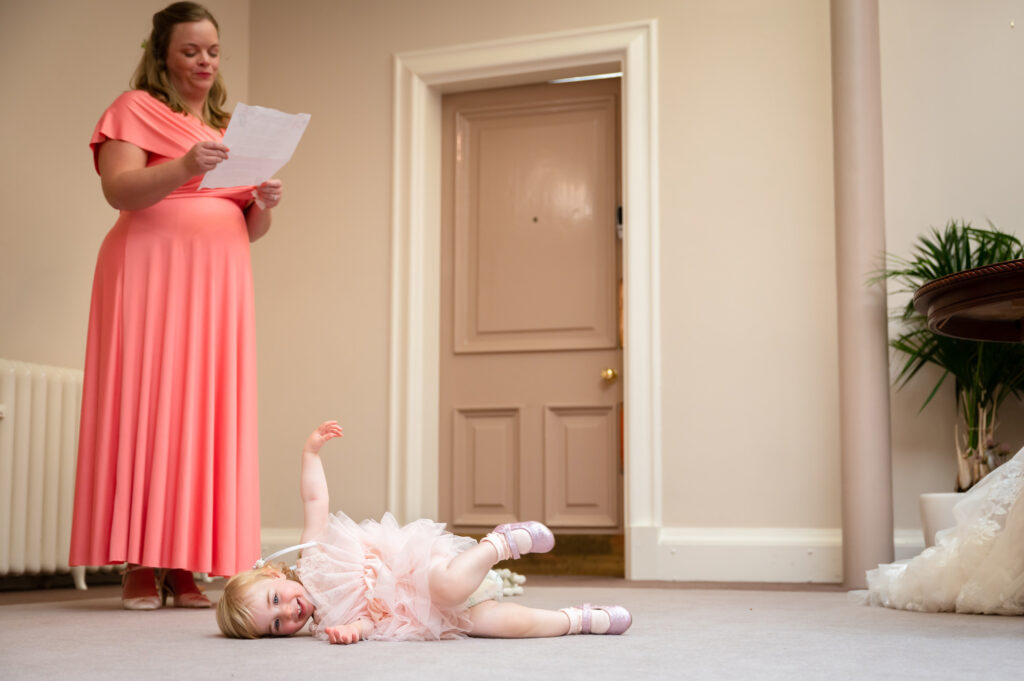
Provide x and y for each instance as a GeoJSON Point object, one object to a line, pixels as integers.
{"type": "Point", "coordinates": [378, 570]}
{"type": "Point", "coordinates": [167, 458]}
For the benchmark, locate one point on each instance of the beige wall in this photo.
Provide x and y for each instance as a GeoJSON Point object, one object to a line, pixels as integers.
{"type": "Point", "coordinates": [61, 64]}
{"type": "Point", "coordinates": [953, 149]}
{"type": "Point", "coordinates": [750, 425]}
{"type": "Point", "coordinates": [747, 240]}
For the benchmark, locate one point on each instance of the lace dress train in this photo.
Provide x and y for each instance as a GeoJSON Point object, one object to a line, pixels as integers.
{"type": "Point", "coordinates": [977, 566]}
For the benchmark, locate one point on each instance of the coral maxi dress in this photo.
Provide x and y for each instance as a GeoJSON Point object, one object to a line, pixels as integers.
{"type": "Point", "coordinates": [167, 456]}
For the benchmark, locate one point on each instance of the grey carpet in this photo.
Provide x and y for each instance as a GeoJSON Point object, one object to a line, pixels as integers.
{"type": "Point", "coordinates": [678, 633]}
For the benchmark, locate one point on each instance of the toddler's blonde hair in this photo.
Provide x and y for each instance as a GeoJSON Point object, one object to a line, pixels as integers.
{"type": "Point", "coordinates": [233, 615]}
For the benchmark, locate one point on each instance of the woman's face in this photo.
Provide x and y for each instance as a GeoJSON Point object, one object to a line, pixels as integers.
{"type": "Point", "coordinates": [193, 59]}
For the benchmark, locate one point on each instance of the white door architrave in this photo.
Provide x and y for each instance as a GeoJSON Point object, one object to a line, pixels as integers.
{"type": "Point", "coordinates": [420, 80]}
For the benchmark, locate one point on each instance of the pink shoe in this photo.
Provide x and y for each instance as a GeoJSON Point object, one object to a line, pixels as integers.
{"type": "Point", "coordinates": [140, 589]}
{"type": "Point", "coordinates": [542, 538]}
{"type": "Point", "coordinates": [183, 590]}
{"type": "Point", "coordinates": [619, 617]}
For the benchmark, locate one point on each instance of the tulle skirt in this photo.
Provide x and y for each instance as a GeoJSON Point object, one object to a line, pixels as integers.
{"type": "Point", "coordinates": [976, 566]}
{"type": "Point", "coordinates": [379, 570]}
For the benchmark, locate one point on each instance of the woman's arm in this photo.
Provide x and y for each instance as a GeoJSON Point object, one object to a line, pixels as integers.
{"type": "Point", "coordinates": [257, 215]}
{"type": "Point", "coordinates": [129, 185]}
{"type": "Point", "coordinates": [313, 485]}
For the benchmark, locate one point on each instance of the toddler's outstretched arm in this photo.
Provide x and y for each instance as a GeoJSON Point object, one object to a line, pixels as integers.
{"type": "Point", "coordinates": [351, 632]}
{"type": "Point", "coordinates": [313, 485]}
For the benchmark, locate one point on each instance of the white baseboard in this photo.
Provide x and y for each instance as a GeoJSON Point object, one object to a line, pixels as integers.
{"type": "Point", "coordinates": [750, 554]}
{"type": "Point", "coordinates": [790, 555]}
{"type": "Point", "coordinates": [714, 554]}
{"type": "Point", "coordinates": [908, 543]}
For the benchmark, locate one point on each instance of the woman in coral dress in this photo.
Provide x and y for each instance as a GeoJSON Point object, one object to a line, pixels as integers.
{"type": "Point", "coordinates": [167, 478]}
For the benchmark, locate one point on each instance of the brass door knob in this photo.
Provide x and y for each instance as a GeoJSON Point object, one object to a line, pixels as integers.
{"type": "Point", "coordinates": [609, 375]}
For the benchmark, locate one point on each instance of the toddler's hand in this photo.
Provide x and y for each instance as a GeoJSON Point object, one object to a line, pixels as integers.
{"type": "Point", "coordinates": [328, 430]}
{"type": "Point", "coordinates": [349, 633]}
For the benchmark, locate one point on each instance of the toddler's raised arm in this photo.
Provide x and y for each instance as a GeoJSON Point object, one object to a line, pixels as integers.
{"type": "Point", "coordinates": [313, 485]}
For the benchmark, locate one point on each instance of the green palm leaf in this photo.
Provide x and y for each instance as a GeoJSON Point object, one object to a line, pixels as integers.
{"type": "Point", "coordinates": [985, 374]}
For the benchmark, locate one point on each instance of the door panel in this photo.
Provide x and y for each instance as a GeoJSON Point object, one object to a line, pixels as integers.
{"type": "Point", "coordinates": [531, 268]}
{"type": "Point", "coordinates": [581, 480]}
{"type": "Point", "coordinates": [487, 463]}
{"type": "Point", "coordinates": [525, 229]}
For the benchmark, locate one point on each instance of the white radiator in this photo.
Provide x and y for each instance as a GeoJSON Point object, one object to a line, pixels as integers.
{"type": "Point", "coordinates": [39, 414]}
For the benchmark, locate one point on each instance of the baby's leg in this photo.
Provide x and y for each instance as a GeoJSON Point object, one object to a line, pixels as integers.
{"type": "Point", "coordinates": [495, 619]}
{"type": "Point", "coordinates": [453, 582]}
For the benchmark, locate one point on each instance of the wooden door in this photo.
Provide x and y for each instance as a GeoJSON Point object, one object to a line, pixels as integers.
{"type": "Point", "coordinates": [531, 398]}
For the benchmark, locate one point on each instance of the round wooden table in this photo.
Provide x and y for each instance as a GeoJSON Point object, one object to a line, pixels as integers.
{"type": "Point", "coordinates": [985, 303]}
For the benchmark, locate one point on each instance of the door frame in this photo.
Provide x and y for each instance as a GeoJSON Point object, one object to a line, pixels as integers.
{"type": "Point", "coordinates": [420, 79]}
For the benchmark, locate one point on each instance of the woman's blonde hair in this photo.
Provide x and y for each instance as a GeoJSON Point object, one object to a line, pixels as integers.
{"type": "Point", "coordinates": [233, 614]}
{"type": "Point", "coordinates": [151, 73]}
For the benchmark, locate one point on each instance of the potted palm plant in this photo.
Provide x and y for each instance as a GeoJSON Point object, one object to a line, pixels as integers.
{"type": "Point", "coordinates": [985, 373]}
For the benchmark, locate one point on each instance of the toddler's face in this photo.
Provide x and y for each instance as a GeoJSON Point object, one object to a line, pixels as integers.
{"type": "Point", "coordinates": [279, 606]}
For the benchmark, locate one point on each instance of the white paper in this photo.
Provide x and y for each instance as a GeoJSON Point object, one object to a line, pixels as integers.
{"type": "Point", "coordinates": [260, 141]}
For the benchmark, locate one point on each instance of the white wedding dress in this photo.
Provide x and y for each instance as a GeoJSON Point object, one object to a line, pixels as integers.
{"type": "Point", "coordinates": [976, 566]}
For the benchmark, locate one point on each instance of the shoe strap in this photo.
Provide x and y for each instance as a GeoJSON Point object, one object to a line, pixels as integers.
{"type": "Point", "coordinates": [588, 616]}
{"type": "Point", "coordinates": [513, 546]}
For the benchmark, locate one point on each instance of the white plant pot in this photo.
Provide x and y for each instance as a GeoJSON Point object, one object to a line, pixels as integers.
{"type": "Point", "coordinates": [937, 513]}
